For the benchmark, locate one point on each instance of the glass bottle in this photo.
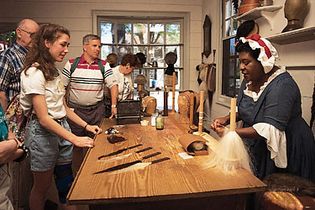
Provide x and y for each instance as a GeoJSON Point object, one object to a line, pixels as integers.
{"type": "Point", "coordinates": [159, 122]}
{"type": "Point", "coordinates": [153, 119]}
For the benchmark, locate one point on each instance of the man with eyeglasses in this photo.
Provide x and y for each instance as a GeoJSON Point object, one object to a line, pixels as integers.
{"type": "Point", "coordinates": [12, 59]}
{"type": "Point", "coordinates": [11, 64]}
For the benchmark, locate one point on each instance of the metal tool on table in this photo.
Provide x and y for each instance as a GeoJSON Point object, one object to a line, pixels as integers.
{"type": "Point", "coordinates": [119, 151]}
{"type": "Point", "coordinates": [143, 150]}
{"type": "Point", "coordinates": [126, 165]}
{"type": "Point", "coordinates": [120, 157]}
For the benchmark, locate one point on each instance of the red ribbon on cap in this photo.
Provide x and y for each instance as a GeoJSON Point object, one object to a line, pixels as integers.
{"type": "Point", "coordinates": [256, 37]}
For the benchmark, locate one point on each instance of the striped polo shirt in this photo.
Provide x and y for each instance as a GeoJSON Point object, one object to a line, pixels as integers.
{"type": "Point", "coordinates": [87, 81]}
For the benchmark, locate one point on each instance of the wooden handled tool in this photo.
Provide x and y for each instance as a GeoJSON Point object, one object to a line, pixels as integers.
{"type": "Point", "coordinates": [200, 122]}
{"type": "Point", "coordinates": [233, 115]}
{"type": "Point", "coordinates": [173, 93]}
{"type": "Point", "coordinates": [191, 110]}
{"type": "Point", "coordinates": [230, 153]}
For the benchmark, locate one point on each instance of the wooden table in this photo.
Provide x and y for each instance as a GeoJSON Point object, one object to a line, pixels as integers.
{"type": "Point", "coordinates": [172, 184]}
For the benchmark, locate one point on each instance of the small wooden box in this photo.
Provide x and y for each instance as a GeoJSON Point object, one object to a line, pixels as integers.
{"type": "Point", "coordinates": [129, 112]}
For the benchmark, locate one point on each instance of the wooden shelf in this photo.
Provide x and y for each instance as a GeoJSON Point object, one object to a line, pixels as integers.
{"type": "Point", "coordinates": [295, 36]}
{"type": "Point", "coordinates": [257, 12]}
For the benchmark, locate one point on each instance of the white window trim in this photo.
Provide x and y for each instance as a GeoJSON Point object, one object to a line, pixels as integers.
{"type": "Point", "coordinates": [185, 83]}
{"type": "Point", "coordinates": [221, 99]}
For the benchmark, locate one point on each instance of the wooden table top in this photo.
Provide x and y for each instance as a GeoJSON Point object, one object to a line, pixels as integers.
{"type": "Point", "coordinates": [176, 178]}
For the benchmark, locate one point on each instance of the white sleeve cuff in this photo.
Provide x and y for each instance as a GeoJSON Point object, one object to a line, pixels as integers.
{"type": "Point", "coordinates": [276, 143]}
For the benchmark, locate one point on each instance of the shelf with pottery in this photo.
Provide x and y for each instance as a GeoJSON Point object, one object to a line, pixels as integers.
{"type": "Point", "coordinates": [294, 36]}
{"type": "Point", "coordinates": [258, 12]}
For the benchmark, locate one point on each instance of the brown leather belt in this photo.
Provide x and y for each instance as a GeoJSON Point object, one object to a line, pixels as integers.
{"type": "Point", "coordinates": [88, 107]}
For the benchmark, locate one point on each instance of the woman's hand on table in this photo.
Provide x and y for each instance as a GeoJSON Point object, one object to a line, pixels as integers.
{"type": "Point", "coordinates": [93, 129]}
{"type": "Point", "coordinates": [84, 141]}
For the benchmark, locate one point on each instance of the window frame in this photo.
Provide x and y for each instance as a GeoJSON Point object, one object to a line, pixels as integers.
{"type": "Point", "coordinates": [224, 99]}
{"type": "Point", "coordinates": [158, 16]}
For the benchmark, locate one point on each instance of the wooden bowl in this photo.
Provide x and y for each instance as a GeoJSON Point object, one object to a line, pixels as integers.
{"type": "Point", "coordinates": [247, 7]}
{"type": "Point", "coordinates": [244, 2]}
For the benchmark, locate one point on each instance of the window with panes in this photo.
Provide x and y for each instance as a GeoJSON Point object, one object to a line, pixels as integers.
{"type": "Point", "coordinates": [153, 37]}
{"type": "Point", "coordinates": [230, 66]}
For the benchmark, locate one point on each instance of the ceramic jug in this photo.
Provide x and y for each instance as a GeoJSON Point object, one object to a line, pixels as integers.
{"type": "Point", "coordinates": [294, 11]}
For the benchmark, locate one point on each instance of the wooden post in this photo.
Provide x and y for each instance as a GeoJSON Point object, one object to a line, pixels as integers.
{"type": "Point", "coordinates": [173, 93]}
{"type": "Point", "coordinates": [233, 114]}
{"type": "Point", "coordinates": [165, 98]}
{"type": "Point", "coordinates": [191, 109]}
{"type": "Point", "coordinates": [200, 123]}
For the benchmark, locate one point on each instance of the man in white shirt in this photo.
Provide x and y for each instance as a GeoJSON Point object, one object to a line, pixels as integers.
{"type": "Point", "coordinates": [123, 74]}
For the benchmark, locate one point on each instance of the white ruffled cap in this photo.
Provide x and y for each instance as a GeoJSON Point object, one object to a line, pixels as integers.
{"type": "Point", "coordinates": [256, 42]}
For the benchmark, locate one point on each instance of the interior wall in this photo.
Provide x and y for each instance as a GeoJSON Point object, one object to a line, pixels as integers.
{"type": "Point", "coordinates": [299, 58]}
{"type": "Point", "coordinates": [76, 15]}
